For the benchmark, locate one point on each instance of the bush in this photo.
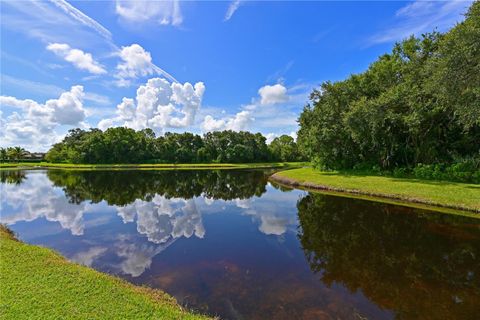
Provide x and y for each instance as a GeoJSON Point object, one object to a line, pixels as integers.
{"type": "Point", "coordinates": [464, 170]}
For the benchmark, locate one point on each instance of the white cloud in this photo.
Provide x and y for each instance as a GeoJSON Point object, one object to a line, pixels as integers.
{"type": "Point", "coordinates": [270, 136]}
{"type": "Point", "coordinates": [165, 12]}
{"type": "Point", "coordinates": [54, 21]}
{"type": "Point", "coordinates": [293, 134]}
{"type": "Point", "coordinates": [232, 7]}
{"type": "Point", "coordinates": [238, 122]}
{"type": "Point", "coordinates": [80, 59]}
{"type": "Point", "coordinates": [49, 89]}
{"type": "Point", "coordinates": [159, 105]}
{"type": "Point", "coordinates": [136, 62]}
{"type": "Point", "coordinates": [33, 126]}
{"type": "Point", "coordinates": [422, 16]}
{"type": "Point", "coordinates": [276, 109]}
{"type": "Point", "coordinates": [273, 94]}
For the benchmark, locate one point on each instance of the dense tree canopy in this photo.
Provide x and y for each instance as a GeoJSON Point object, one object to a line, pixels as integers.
{"type": "Point", "coordinates": [125, 145]}
{"type": "Point", "coordinates": [284, 148]}
{"type": "Point", "coordinates": [419, 104]}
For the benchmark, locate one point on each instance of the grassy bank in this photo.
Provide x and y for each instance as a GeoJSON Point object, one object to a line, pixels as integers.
{"type": "Point", "coordinates": [37, 283]}
{"type": "Point", "coordinates": [437, 193]}
{"type": "Point", "coordinates": [39, 165]}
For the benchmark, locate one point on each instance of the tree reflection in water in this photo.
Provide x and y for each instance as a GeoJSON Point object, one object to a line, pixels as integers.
{"type": "Point", "coordinates": [12, 176]}
{"type": "Point", "coordinates": [418, 264]}
{"type": "Point", "coordinates": [124, 187]}
{"type": "Point", "coordinates": [225, 243]}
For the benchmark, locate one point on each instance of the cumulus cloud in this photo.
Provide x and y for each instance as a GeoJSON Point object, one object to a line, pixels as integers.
{"type": "Point", "coordinates": [263, 111]}
{"type": "Point", "coordinates": [238, 122]}
{"type": "Point", "coordinates": [270, 136]}
{"type": "Point", "coordinates": [232, 8]}
{"type": "Point", "coordinates": [80, 59]}
{"type": "Point", "coordinates": [159, 105]}
{"type": "Point", "coordinates": [136, 62]}
{"type": "Point", "coordinates": [35, 123]}
{"type": "Point", "coordinates": [166, 12]}
{"type": "Point", "coordinates": [273, 94]}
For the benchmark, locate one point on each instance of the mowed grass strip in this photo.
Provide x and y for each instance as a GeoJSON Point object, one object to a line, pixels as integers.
{"type": "Point", "coordinates": [438, 193]}
{"type": "Point", "coordinates": [38, 283]}
{"type": "Point", "coordinates": [265, 165]}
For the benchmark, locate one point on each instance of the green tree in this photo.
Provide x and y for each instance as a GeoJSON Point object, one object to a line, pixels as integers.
{"type": "Point", "coordinates": [417, 105]}
{"type": "Point", "coordinates": [16, 153]}
{"type": "Point", "coordinates": [284, 148]}
{"type": "Point", "coordinates": [3, 154]}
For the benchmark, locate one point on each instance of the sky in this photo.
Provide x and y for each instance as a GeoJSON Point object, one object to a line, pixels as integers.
{"type": "Point", "coordinates": [195, 66]}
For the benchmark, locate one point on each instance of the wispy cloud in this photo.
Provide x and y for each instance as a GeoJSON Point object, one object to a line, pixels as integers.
{"type": "Point", "coordinates": [31, 86]}
{"type": "Point", "coordinates": [166, 12]}
{"type": "Point", "coordinates": [82, 18]}
{"type": "Point", "coordinates": [49, 89]}
{"type": "Point", "coordinates": [54, 21]}
{"type": "Point", "coordinates": [421, 16]}
{"type": "Point", "coordinates": [232, 8]}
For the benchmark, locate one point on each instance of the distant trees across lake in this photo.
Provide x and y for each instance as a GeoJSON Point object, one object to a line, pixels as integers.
{"type": "Point", "coordinates": [418, 106]}
{"type": "Point", "coordinates": [125, 145]}
{"type": "Point", "coordinates": [16, 154]}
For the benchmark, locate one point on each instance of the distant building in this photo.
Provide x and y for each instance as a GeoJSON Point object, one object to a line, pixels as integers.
{"type": "Point", "coordinates": [34, 156]}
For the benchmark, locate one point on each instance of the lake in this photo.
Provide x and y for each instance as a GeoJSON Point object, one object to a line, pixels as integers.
{"type": "Point", "coordinates": [229, 243]}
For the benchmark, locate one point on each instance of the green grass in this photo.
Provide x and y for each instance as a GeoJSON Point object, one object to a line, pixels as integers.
{"type": "Point", "coordinates": [28, 165]}
{"type": "Point", "coordinates": [38, 283]}
{"type": "Point", "coordinates": [437, 193]}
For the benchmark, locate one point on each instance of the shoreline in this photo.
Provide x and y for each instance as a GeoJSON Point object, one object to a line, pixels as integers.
{"type": "Point", "coordinates": [65, 289]}
{"type": "Point", "coordinates": [286, 178]}
{"type": "Point", "coordinates": [167, 166]}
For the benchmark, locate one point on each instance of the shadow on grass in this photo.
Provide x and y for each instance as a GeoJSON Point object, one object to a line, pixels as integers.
{"type": "Point", "coordinates": [347, 174]}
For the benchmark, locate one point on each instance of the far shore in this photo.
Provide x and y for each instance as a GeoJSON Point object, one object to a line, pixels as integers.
{"type": "Point", "coordinates": [180, 166]}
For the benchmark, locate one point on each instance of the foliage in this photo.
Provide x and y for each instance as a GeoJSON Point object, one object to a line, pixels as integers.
{"type": "Point", "coordinates": [284, 148]}
{"type": "Point", "coordinates": [12, 176]}
{"type": "Point", "coordinates": [419, 104]}
{"type": "Point", "coordinates": [12, 153]}
{"type": "Point", "coordinates": [125, 145]}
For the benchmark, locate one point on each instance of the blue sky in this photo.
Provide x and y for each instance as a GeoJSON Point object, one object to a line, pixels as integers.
{"type": "Point", "coordinates": [187, 66]}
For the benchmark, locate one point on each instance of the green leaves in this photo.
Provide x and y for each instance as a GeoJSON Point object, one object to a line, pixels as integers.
{"type": "Point", "coordinates": [418, 104]}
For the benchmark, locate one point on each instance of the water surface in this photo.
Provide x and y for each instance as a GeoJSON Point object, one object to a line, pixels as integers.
{"type": "Point", "coordinates": [228, 243]}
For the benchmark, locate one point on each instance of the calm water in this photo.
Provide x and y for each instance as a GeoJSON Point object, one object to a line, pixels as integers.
{"type": "Point", "coordinates": [229, 243]}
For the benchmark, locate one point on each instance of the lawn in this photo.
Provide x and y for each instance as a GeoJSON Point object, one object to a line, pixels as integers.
{"type": "Point", "coordinates": [38, 283]}
{"type": "Point", "coordinates": [438, 193]}
{"type": "Point", "coordinates": [151, 166]}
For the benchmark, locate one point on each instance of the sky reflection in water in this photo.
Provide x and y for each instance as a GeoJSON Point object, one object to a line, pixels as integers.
{"type": "Point", "coordinates": [228, 243]}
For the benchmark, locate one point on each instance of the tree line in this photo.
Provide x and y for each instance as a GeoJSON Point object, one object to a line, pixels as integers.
{"type": "Point", "coordinates": [18, 153]}
{"type": "Point", "coordinates": [416, 107]}
{"type": "Point", "coordinates": [125, 145]}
